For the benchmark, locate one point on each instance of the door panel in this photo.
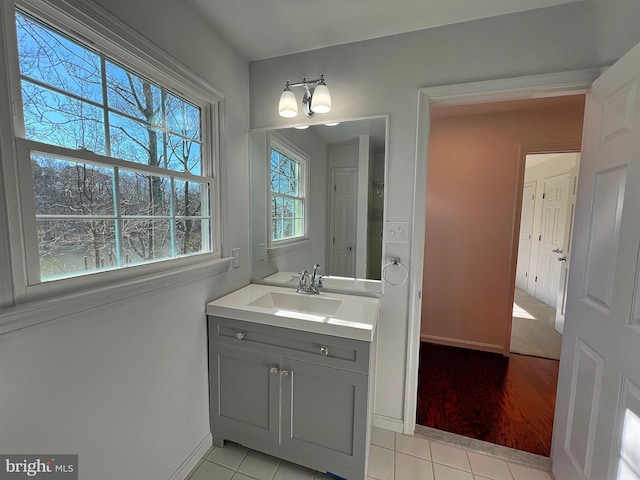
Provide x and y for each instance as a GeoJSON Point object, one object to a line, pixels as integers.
{"type": "Point", "coordinates": [327, 412]}
{"type": "Point", "coordinates": [526, 230]}
{"type": "Point", "coordinates": [246, 392]}
{"type": "Point", "coordinates": [554, 211]}
{"type": "Point", "coordinates": [343, 222]}
{"type": "Point", "coordinates": [599, 374]}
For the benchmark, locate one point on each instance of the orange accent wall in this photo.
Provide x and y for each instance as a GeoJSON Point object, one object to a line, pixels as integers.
{"type": "Point", "coordinates": [474, 189]}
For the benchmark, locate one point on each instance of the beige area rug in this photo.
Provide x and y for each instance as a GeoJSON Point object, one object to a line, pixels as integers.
{"type": "Point", "coordinates": [532, 331]}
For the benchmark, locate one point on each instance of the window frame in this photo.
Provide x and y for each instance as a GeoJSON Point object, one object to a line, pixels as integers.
{"type": "Point", "coordinates": [99, 30]}
{"type": "Point", "coordinates": [292, 151]}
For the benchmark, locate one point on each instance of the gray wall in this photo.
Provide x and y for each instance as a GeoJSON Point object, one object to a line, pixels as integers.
{"type": "Point", "coordinates": [383, 76]}
{"type": "Point", "coordinates": [125, 385]}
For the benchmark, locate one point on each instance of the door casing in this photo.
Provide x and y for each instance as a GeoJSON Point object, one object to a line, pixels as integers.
{"type": "Point", "coordinates": [536, 86]}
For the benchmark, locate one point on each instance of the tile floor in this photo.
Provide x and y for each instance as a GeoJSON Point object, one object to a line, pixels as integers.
{"type": "Point", "coordinates": [393, 457]}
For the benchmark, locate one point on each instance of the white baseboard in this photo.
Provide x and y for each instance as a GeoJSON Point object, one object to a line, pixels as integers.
{"type": "Point", "coordinates": [388, 423]}
{"type": "Point", "coordinates": [454, 342]}
{"type": "Point", "coordinates": [192, 460]}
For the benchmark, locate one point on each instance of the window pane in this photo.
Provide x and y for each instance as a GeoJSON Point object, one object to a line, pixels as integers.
{"type": "Point", "coordinates": [298, 227]}
{"type": "Point", "coordinates": [62, 187]}
{"type": "Point", "coordinates": [182, 117]}
{"type": "Point", "coordinates": [134, 95]}
{"type": "Point", "coordinates": [189, 236]}
{"type": "Point", "coordinates": [184, 155]}
{"type": "Point", "coordinates": [54, 59]}
{"type": "Point", "coordinates": [276, 229]}
{"type": "Point", "coordinates": [144, 194]}
{"type": "Point", "coordinates": [146, 240]}
{"type": "Point", "coordinates": [288, 208]}
{"type": "Point", "coordinates": [190, 198]}
{"type": "Point", "coordinates": [73, 247]}
{"type": "Point", "coordinates": [54, 118]}
{"type": "Point", "coordinates": [287, 228]}
{"type": "Point", "coordinates": [134, 141]}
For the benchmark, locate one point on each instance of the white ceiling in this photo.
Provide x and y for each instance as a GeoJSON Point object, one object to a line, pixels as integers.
{"type": "Point", "coordinates": [262, 29]}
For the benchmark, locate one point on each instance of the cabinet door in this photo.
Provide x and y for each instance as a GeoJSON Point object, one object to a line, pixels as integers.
{"type": "Point", "coordinates": [324, 413]}
{"type": "Point", "coordinates": [245, 387]}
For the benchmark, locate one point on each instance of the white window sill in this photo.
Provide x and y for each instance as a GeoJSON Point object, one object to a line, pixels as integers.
{"type": "Point", "coordinates": [276, 250]}
{"type": "Point", "coordinates": [40, 311]}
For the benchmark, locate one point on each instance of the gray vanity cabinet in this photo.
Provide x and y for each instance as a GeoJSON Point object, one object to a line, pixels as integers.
{"type": "Point", "coordinates": [300, 396]}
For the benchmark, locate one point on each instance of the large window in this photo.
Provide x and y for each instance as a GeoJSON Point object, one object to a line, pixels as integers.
{"type": "Point", "coordinates": [119, 164]}
{"type": "Point", "coordinates": [287, 175]}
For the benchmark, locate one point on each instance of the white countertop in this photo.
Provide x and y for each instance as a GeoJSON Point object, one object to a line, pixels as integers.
{"type": "Point", "coordinates": [356, 318]}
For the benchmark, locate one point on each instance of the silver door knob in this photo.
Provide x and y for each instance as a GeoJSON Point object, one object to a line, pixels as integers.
{"type": "Point", "coordinates": [324, 351]}
{"type": "Point", "coordinates": [562, 259]}
{"type": "Point", "coordinates": [349, 248]}
{"type": "Point", "coordinates": [274, 370]}
{"type": "Point", "coordinates": [240, 336]}
{"type": "Point", "coordinates": [284, 373]}
{"type": "Point", "coordinates": [557, 250]}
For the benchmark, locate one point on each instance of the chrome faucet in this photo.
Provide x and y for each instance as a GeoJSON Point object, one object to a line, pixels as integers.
{"type": "Point", "coordinates": [310, 283]}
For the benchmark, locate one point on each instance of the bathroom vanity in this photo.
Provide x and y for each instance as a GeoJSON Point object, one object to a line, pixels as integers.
{"type": "Point", "coordinates": [292, 375]}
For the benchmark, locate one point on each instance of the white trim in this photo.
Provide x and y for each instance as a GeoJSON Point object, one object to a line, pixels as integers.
{"type": "Point", "coordinates": [277, 142]}
{"type": "Point", "coordinates": [456, 342]}
{"type": "Point", "coordinates": [388, 423]}
{"type": "Point", "coordinates": [193, 459]}
{"type": "Point", "coordinates": [546, 85]}
{"type": "Point", "coordinates": [51, 308]}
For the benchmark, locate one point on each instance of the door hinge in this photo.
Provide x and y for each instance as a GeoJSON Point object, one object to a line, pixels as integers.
{"type": "Point", "coordinates": [334, 187]}
{"type": "Point", "coordinates": [526, 274]}
{"type": "Point", "coordinates": [544, 195]}
{"type": "Point", "coordinates": [334, 240]}
{"type": "Point", "coordinates": [536, 279]}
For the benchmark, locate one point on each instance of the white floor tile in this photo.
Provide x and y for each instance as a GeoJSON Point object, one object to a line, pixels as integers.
{"type": "Point", "coordinates": [241, 476]}
{"type": "Point", "coordinates": [409, 467]}
{"type": "Point", "coordinates": [449, 455]}
{"type": "Point", "coordinates": [381, 463]}
{"type": "Point", "coordinates": [211, 471]}
{"type": "Point", "coordinates": [416, 446]}
{"type": "Point", "coordinates": [383, 438]}
{"type": "Point", "coordinates": [258, 465]}
{"type": "Point", "coordinates": [489, 467]}
{"type": "Point", "coordinates": [521, 472]}
{"type": "Point", "coordinates": [291, 471]}
{"type": "Point", "coordinates": [231, 455]}
{"type": "Point", "coordinates": [442, 472]}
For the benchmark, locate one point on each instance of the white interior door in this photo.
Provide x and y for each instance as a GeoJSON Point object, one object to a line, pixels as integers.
{"type": "Point", "coordinates": [596, 431]}
{"type": "Point", "coordinates": [565, 255]}
{"type": "Point", "coordinates": [344, 194]}
{"type": "Point", "coordinates": [554, 211]}
{"type": "Point", "coordinates": [526, 232]}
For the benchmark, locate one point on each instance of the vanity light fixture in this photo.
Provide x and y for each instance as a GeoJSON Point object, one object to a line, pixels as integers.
{"type": "Point", "coordinates": [302, 127]}
{"type": "Point", "coordinates": [332, 124]}
{"type": "Point", "coordinates": [316, 98]}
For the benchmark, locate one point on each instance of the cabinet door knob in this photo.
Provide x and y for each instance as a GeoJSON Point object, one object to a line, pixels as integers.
{"type": "Point", "coordinates": [324, 351]}
{"type": "Point", "coordinates": [284, 373]}
{"type": "Point", "coordinates": [274, 370]}
{"type": "Point", "coordinates": [240, 336]}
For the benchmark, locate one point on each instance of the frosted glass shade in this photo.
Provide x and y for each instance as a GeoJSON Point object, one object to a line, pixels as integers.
{"type": "Point", "coordinates": [288, 106]}
{"type": "Point", "coordinates": [321, 100]}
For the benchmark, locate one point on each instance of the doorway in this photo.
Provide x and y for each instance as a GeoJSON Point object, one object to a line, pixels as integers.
{"type": "Point", "coordinates": [475, 184]}
{"type": "Point", "coordinates": [546, 221]}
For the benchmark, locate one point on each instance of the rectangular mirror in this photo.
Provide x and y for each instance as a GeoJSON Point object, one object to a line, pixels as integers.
{"type": "Point", "coordinates": [317, 196]}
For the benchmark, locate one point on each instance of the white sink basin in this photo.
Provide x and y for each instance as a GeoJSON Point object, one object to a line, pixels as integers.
{"type": "Point", "coordinates": [298, 303]}
{"type": "Point", "coordinates": [348, 316]}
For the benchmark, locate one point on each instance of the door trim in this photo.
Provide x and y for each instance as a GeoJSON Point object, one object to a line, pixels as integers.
{"type": "Point", "coordinates": [534, 86]}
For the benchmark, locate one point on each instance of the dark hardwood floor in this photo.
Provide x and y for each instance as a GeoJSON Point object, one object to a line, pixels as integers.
{"type": "Point", "coordinates": [507, 401]}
